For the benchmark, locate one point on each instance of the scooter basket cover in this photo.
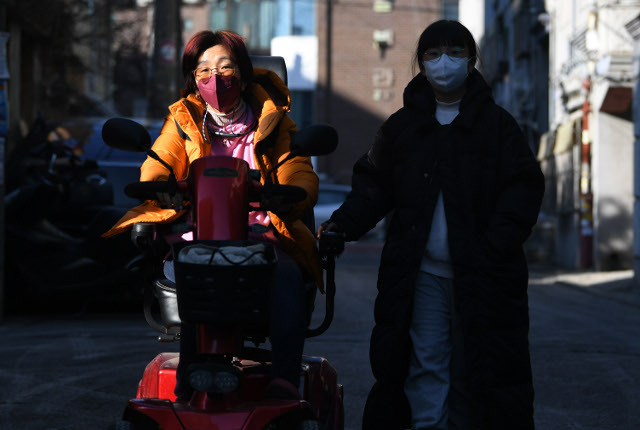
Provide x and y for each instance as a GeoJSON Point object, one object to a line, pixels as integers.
{"type": "Point", "coordinates": [224, 283]}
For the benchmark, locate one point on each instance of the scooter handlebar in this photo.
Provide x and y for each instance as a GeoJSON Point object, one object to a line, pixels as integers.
{"type": "Point", "coordinates": [146, 190]}
{"type": "Point", "coordinates": [331, 245]}
{"type": "Point", "coordinates": [287, 193]}
{"type": "Point", "coordinates": [149, 190]}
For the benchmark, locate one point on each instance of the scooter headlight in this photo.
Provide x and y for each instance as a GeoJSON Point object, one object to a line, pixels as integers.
{"type": "Point", "coordinates": [226, 382]}
{"type": "Point", "coordinates": [214, 381]}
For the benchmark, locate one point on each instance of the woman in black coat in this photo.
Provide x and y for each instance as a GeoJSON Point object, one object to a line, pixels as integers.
{"type": "Point", "coordinates": [449, 349]}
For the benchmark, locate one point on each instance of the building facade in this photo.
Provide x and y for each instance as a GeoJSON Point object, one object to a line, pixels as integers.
{"type": "Point", "coordinates": [352, 58]}
{"type": "Point", "coordinates": [563, 69]}
{"type": "Point", "coordinates": [588, 153]}
{"type": "Point", "coordinates": [262, 23]}
{"type": "Point", "coordinates": [514, 57]}
{"type": "Point", "coordinates": [513, 39]}
{"type": "Point", "coordinates": [365, 53]}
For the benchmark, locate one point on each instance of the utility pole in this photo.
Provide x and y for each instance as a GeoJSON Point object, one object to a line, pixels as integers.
{"type": "Point", "coordinates": [4, 134]}
{"type": "Point", "coordinates": [328, 44]}
{"type": "Point", "coordinates": [586, 191]}
{"type": "Point", "coordinates": [166, 74]}
{"type": "Point", "coordinates": [586, 194]}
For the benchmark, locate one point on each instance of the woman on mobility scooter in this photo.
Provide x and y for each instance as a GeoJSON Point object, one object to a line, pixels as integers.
{"type": "Point", "coordinates": [230, 108]}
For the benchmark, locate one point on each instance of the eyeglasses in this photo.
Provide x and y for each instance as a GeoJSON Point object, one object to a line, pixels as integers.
{"type": "Point", "coordinates": [207, 72]}
{"type": "Point", "coordinates": [436, 53]}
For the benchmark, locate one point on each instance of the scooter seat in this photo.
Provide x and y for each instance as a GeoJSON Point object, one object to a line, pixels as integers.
{"type": "Point", "coordinates": [165, 292]}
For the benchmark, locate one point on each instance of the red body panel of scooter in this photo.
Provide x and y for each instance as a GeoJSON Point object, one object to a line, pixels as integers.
{"type": "Point", "coordinates": [220, 186]}
{"type": "Point", "coordinates": [244, 410]}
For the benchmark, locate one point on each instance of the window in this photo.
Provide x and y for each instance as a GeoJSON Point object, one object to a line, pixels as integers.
{"type": "Point", "coordinates": [382, 6]}
{"type": "Point", "coordinates": [262, 20]}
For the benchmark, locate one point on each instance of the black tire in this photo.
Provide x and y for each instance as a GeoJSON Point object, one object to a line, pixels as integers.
{"type": "Point", "coordinates": [293, 421]}
{"type": "Point", "coordinates": [122, 425]}
{"type": "Point", "coordinates": [309, 425]}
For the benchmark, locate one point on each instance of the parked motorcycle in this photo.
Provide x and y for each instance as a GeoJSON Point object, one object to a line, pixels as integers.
{"type": "Point", "coordinates": [226, 297]}
{"type": "Point", "coordinates": [57, 204]}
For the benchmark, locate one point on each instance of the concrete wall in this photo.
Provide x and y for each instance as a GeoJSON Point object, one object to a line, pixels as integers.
{"type": "Point", "coordinates": [613, 192]}
{"type": "Point", "coordinates": [636, 163]}
{"type": "Point", "coordinates": [471, 15]}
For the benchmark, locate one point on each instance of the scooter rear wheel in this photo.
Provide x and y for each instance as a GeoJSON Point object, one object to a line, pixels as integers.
{"type": "Point", "coordinates": [122, 425]}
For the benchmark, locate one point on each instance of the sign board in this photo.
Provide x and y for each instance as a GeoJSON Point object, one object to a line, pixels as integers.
{"type": "Point", "coordinates": [300, 54]}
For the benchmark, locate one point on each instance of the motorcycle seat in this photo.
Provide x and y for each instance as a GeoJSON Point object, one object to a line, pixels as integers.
{"type": "Point", "coordinates": [165, 292]}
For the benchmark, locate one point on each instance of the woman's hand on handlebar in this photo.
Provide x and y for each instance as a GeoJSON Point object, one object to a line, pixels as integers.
{"type": "Point", "coordinates": [175, 201]}
{"type": "Point", "coordinates": [275, 203]}
{"type": "Point", "coordinates": [329, 226]}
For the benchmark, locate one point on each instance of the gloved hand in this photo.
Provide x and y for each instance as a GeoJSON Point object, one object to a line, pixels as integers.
{"type": "Point", "coordinates": [275, 203]}
{"type": "Point", "coordinates": [329, 226]}
{"type": "Point", "coordinates": [330, 240]}
{"type": "Point", "coordinates": [168, 201]}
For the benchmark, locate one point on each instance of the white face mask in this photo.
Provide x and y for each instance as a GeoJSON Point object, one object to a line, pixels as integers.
{"type": "Point", "coordinates": [446, 73]}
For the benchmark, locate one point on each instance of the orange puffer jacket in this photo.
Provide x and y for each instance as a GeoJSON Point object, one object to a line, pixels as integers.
{"type": "Point", "coordinates": [269, 99]}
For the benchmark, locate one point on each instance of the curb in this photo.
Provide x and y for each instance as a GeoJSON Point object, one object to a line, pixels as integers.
{"type": "Point", "coordinates": [617, 286]}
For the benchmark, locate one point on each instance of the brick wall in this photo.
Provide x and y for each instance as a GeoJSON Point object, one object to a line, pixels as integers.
{"type": "Point", "coordinates": [366, 83]}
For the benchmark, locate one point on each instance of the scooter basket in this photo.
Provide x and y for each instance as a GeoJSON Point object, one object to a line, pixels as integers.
{"type": "Point", "coordinates": [224, 283]}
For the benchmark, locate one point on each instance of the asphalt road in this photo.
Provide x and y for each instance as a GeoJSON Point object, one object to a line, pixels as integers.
{"type": "Point", "coordinates": [75, 370]}
{"type": "Point", "coordinates": [585, 351]}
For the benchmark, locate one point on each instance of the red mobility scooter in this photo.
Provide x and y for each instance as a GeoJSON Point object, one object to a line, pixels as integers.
{"type": "Point", "coordinates": [227, 301]}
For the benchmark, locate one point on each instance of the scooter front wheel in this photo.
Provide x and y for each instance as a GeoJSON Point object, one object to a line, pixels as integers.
{"type": "Point", "coordinates": [294, 425]}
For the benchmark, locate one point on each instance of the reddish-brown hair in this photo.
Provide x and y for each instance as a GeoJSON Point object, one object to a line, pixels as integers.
{"type": "Point", "coordinates": [203, 40]}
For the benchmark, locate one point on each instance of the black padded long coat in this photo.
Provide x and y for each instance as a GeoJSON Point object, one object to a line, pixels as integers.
{"type": "Point", "coordinates": [492, 188]}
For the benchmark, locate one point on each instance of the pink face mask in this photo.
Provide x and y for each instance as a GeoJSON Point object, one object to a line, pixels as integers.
{"type": "Point", "coordinates": [221, 92]}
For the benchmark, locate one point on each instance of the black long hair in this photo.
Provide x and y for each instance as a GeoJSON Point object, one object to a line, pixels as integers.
{"type": "Point", "coordinates": [445, 33]}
